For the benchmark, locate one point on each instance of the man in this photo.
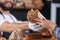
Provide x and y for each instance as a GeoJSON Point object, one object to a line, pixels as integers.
{"type": "Point", "coordinates": [8, 22]}
{"type": "Point", "coordinates": [49, 25]}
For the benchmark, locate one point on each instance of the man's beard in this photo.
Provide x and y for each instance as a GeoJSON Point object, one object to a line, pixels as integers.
{"type": "Point", "coordinates": [2, 5]}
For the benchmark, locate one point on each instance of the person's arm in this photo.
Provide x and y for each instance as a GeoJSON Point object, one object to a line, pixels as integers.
{"type": "Point", "coordinates": [46, 23]}
{"type": "Point", "coordinates": [49, 25]}
{"type": "Point", "coordinates": [9, 27]}
{"type": "Point", "coordinates": [5, 26]}
{"type": "Point", "coordinates": [19, 25]}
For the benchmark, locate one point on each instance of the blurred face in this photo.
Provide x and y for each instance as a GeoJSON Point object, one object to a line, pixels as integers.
{"type": "Point", "coordinates": [6, 4]}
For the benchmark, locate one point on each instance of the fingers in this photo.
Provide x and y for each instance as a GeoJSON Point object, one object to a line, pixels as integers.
{"type": "Point", "coordinates": [39, 23]}
{"type": "Point", "coordinates": [38, 20]}
{"type": "Point", "coordinates": [44, 19]}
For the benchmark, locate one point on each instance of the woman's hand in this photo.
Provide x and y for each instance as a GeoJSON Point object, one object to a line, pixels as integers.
{"type": "Point", "coordinates": [46, 23]}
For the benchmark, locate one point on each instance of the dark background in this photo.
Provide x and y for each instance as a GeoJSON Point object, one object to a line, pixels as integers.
{"type": "Point", "coordinates": [58, 16]}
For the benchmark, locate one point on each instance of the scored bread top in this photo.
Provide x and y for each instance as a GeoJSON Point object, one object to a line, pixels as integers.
{"type": "Point", "coordinates": [33, 14]}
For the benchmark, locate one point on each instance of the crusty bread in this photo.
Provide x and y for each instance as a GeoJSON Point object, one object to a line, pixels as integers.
{"type": "Point", "coordinates": [32, 14]}
{"type": "Point", "coordinates": [16, 35]}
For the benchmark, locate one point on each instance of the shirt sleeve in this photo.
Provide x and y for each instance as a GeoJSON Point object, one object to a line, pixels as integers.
{"type": "Point", "coordinates": [35, 27]}
{"type": "Point", "coordinates": [57, 32]}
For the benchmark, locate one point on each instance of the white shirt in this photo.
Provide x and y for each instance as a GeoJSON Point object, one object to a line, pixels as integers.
{"type": "Point", "coordinates": [10, 18]}
{"type": "Point", "coordinates": [7, 17]}
{"type": "Point", "coordinates": [35, 27]}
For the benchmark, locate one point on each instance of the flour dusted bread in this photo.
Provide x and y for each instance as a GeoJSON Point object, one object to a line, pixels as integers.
{"type": "Point", "coordinates": [16, 35]}
{"type": "Point", "coordinates": [32, 14]}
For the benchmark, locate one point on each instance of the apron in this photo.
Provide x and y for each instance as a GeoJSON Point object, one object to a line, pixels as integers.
{"type": "Point", "coordinates": [6, 34]}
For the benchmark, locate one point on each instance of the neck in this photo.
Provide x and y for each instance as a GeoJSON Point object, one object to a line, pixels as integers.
{"type": "Point", "coordinates": [4, 12]}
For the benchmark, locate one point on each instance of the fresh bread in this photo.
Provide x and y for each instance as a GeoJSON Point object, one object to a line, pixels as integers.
{"type": "Point", "coordinates": [16, 35]}
{"type": "Point", "coordinates": [32, 14]}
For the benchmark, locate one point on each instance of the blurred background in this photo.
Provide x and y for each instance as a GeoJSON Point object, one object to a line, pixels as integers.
{"type": "Point", "coordinates": [51, 9]}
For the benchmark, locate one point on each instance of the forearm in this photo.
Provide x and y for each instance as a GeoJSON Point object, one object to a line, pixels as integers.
{"type": "Point", "coordinates": [23, 26]}
{"type": "Point", "coordinates": [9, 27]}
{"type": "Point", "coordinates": [6, 29]}
{"type": "Point", "coordinates": [20, 25]}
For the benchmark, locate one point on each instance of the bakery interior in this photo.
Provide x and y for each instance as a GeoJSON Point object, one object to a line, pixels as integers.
{"type": "Point", "coordinates": [50, 10]}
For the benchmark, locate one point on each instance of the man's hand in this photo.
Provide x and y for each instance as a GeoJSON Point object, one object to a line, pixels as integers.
{"type": "Point", "coordinates": [46, 23]}
{"type": "Point", "coordinates": [6, 26]}
{"type": "Point", "coordinates": [22, 26]}
{"type": "Point", "coordinates": [9, 27]}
